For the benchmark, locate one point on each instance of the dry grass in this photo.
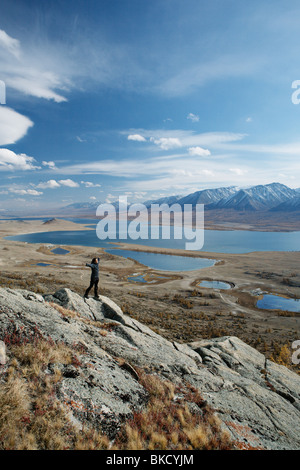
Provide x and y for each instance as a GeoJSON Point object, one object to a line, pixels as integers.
{"type": "Point", "coordinates": [168, 422]}
{"type": "Point", "coordinates": [32, 417]}
{"type": "Point", "coordinates": [282, 355]}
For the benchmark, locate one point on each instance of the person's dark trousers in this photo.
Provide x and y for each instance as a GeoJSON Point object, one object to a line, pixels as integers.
{"type": "Point", "coordinates": [94, 283]}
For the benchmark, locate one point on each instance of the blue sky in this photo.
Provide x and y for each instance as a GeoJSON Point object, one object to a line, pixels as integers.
{"type": "Point", "coordinates": [145, 98]}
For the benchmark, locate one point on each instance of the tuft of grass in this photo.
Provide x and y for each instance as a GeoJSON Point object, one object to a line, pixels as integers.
{"type": "Point", "coordinates": [168, 422]}
{"type": "Point", "coordinates": [32, 418]}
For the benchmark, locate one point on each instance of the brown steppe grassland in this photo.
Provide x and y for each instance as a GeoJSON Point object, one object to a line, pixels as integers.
{"type": "Point", "coordinates": [173, 306]}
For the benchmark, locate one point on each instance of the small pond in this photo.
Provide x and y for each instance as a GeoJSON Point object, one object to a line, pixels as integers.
{"type": "Point", "coordinates": [60, 251]}
{"type": "Point", "coordinates": [214, 285]}
{"type": "Point", "coordinates": [276, 302]}
{"type": "Point", "coordinates": [138, 278]}
{"type": "Point", "coordinates": [147, 278]}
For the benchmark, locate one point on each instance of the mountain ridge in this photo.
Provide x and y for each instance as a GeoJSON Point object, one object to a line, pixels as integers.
{"type": "Point", "coordinates": [268, 197]}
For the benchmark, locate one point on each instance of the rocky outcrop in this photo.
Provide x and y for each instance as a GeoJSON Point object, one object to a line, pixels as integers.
{"type": "Point", "coordinates": [256, 400]}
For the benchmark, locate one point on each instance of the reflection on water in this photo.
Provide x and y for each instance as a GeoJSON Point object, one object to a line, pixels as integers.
{"type": "Point", "coordinates": [275, 302]}
{"type": "Point", "coordinates": [214, 285]}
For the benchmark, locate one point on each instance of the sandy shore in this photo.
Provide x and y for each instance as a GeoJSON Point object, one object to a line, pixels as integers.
{"type": "Point", "coordinates": [173, 305]}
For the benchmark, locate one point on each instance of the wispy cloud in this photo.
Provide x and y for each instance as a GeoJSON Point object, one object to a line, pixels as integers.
{"type": "Point", "coordinates": [176, 138]}
{"type": "Point", "coordinates": [193, 117]}
{"type": "Point", "coordinates": [31, 71]}
{"type": "Point", "coordinates": [45, 68]}
{"type": "Point", "coordinates": [10, 44]}
{"type": "Point", "coordinates": [190, 166]}
{"type": "Point", "coordinates": [223, 67]}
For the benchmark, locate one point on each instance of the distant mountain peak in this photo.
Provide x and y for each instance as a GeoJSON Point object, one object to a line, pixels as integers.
{"type": "Point", "coordinates": [261, 197]}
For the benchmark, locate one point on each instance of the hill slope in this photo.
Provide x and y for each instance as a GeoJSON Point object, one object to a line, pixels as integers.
{"type": "Point", "coordinates": [103, 385]}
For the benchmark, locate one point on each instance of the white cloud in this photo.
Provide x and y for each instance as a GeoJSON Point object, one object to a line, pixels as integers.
{"type": "Point", "coordinates": [10, 44]}
{"type": "Point", "coordinates": [68, 182]}
{"type": "Point", "coordinates": [199, 152]}
{"type": "Point", "coordinates": [193, 117]}
{"type": "Point", "coordinates": [167, 143]}
{"type": "Point", "coordinates": [11, 161]}
{"type": "Point", "coordinates": [35, 70]}
{"type": "Point", "coordinates": [38, 84]}
{"type": "Point", "coordinates": [50, 165]}
{"type": "Point", "coordinates": [13, 126]}
{"type": "Point", "coordinates": [136, 137]}
{"type": "Point", "coordinates": [23, 192]}
{"type": "Point", "coordinates": [187, 167]}
{"type": "Point", "coordinates": [88, 184]}
{"type": "Point", "coordinates": [33, 192]}
{"type": "Point", "coordinates": [93, 198]}
{"type": "Point", "coordinates": [187, 138]}
{"type": "Point", "coordinates": [51, 184]}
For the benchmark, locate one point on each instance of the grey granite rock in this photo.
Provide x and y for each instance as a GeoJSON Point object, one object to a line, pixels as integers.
{"type": "Point", "coordinates": [256, 399]}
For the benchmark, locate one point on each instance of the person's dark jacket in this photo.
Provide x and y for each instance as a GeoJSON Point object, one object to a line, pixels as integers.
{"type": "Point", "coordinates": [95, 270]}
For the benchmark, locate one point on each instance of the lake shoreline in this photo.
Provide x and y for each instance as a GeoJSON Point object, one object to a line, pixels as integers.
{"type": "Point", "coordinates": [173, 306]}
{"type": "Point", "coordinates": [232, 242]}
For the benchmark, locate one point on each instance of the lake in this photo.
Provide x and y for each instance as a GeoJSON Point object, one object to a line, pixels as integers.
{"type": "Point", "coordinates": [215, 241]}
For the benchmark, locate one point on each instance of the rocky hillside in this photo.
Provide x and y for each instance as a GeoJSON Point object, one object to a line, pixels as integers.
{"type": "Point", "coordinates": [255, 401]}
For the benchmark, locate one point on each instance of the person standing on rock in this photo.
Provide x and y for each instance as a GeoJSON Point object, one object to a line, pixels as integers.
{"type": "Point", "coordinates": [94, 265]}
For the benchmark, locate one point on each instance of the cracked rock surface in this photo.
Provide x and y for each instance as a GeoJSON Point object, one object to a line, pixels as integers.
{"type": "Point", "coordinates": [256, 399]}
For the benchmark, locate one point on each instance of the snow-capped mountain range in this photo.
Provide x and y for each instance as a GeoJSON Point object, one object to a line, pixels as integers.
{"type": "Point", "coordinates": [269, 197]}
{"type": "Point", "coordinates": [274, 196]}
